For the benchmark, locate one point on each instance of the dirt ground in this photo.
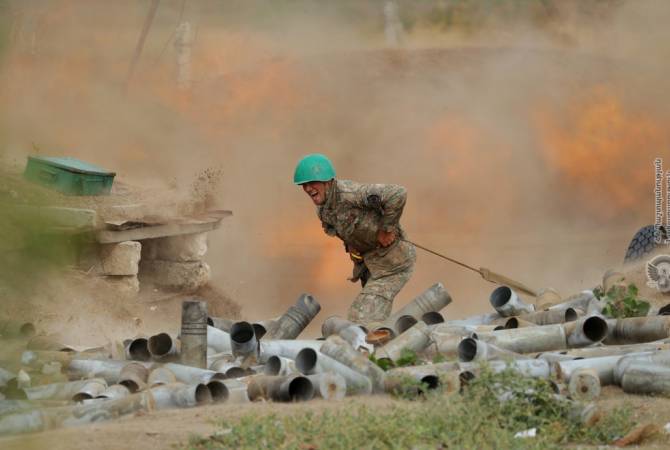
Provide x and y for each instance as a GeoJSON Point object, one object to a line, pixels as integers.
{"type": "Point", "coordinates": [172, 429]}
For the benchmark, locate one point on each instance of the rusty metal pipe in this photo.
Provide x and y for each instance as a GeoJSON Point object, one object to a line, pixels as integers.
{"type": "Point", "coordinates": [507, 302]}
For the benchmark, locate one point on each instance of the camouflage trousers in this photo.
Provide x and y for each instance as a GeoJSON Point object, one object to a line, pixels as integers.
{"type": "Point", "coordinates": [374, 302]}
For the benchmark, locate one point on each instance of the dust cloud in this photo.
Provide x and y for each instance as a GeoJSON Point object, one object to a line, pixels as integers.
{"type": "Point", "coordinates": [525, 137]}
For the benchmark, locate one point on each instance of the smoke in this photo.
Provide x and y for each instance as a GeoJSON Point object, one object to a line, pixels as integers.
{"type": "Point", "coordinates": [525, 137]}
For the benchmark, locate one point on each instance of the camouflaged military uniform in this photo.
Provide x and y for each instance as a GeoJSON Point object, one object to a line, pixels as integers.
{"type": "Point", "coordinates": [355, 212]}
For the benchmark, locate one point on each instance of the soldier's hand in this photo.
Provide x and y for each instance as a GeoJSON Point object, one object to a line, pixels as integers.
{"type": "Point", "coordinates": [385, 238]}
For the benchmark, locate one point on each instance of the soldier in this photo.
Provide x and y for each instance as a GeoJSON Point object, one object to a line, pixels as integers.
{"type": "Point", "coordinates": [365, 217]}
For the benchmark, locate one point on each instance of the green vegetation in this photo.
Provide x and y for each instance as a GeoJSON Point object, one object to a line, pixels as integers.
{"type": "Point", "coordinates": [488, 414]}
{"type": "Point", "coordinates": [622, 301]}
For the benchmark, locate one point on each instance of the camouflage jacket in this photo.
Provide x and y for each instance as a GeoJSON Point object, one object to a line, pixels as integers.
{"type": "Point", "coordinates": [355, 212]}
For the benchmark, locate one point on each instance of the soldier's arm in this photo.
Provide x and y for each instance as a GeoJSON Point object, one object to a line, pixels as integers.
{"type": "Point", "coordinates": [390, 199]}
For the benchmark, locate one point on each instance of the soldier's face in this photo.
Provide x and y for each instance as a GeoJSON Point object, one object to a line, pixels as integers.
{"type": "Point", "coordinates": [316, 191]}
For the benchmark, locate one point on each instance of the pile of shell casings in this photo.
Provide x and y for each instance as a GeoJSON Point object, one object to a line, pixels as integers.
{"type": "Point", "coordinates": [45, 384]}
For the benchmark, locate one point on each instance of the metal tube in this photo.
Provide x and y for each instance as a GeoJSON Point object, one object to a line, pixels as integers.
{"type": "Point", "coordinates": [517, 322]}
{"type": "Point", "coordinates": [50, 418]}
{"type": "Point", "coordinates": [577, 301]}
{"type": "Point", "coordinates": [229, 369]}
{"type": "Point", "coordinates": [357, 338]}
{"type": "Point", "coordinates": [603, 366]}
{"type": "Point", "coordinates": [507, 303]}
{"type": "Point", "coordinates": [134, 376]}
{"type": "Point", "coordinates": [285, 348]}
{"type": "Point", "coordinates": [218, 390]}
{"type": "Point", "coordinates": [646, 378]}
{"type": "Point", "coordinates": [434, 298]}
{"type": "Point", "coordinates": [584, 385]}
{"type": "Point", "coordinates": [527, 340]}
{"type": "Point", "coordinates": [37, 358]}
{"type": "Point", "coordinates": [109, 370]}
{"type": "Point", "coordinates": [162, 346]}
{"type": "Point", "coordinates": [335, 324]}
{"type": "Point", "coordinates": [243, 340]}
{"type": "Point", "coordinates": [237, 391]}
{"type": "Point", "coordinates": [295, 319]}
{"type": "Point", "coordinates": [309, 361]}
{"type": "Point", "coordinates": [328, 386]}
{"type": "Point", "coordinates": [194, 334]}
{"type": "Point", "coordinates": [653, 357]}
{"type": "Point", "coordinates": [278, 365]}
{"type": "Point", "coordinates": [138, 349]}
{"type": "Point", "coordinates": [341, 351]}
{"type": "Point", "coordinates": [535, 368]}
{"type": "Point", "coordinates": [585, 331]}
{"type": "Point", "coordinates": [160, 375]}
{"type": "Point", "coordinates": [90, 390]}
{"type": "Point", "coordinates": [551, 316]}
{"type": "Point", "coordinates": [220, 323]}
{"type": "Point", "coordinates": [470, 349]}
{"type": "Point", "coordinates": [192, 375]}
{"type": "Point", "coordinates": [218, 340]}
{"type": "Point", "coordinates": [416, 338]}
{"type": "Point", "coordinates": [180, 395]}
{"type": "Point", "coordinates": [637, 329]}
{"type": "Point", "coordinates": [432, 318]}
{"type": "Point", "coordinates": [293, 388]}
{"type": "Point", "coordinates": [65, 391]}
{"type": "Point", "coordinates": [403, 324]}
{"type": "Point", "coordinates": [114, 392]}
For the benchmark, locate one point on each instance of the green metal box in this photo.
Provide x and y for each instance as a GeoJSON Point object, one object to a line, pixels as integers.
{"type": "Point", "coordinates": [69, 175]}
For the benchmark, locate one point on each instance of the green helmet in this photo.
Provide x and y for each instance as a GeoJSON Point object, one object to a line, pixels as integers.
{"type": "Point", "coordinates": [314, 167]}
